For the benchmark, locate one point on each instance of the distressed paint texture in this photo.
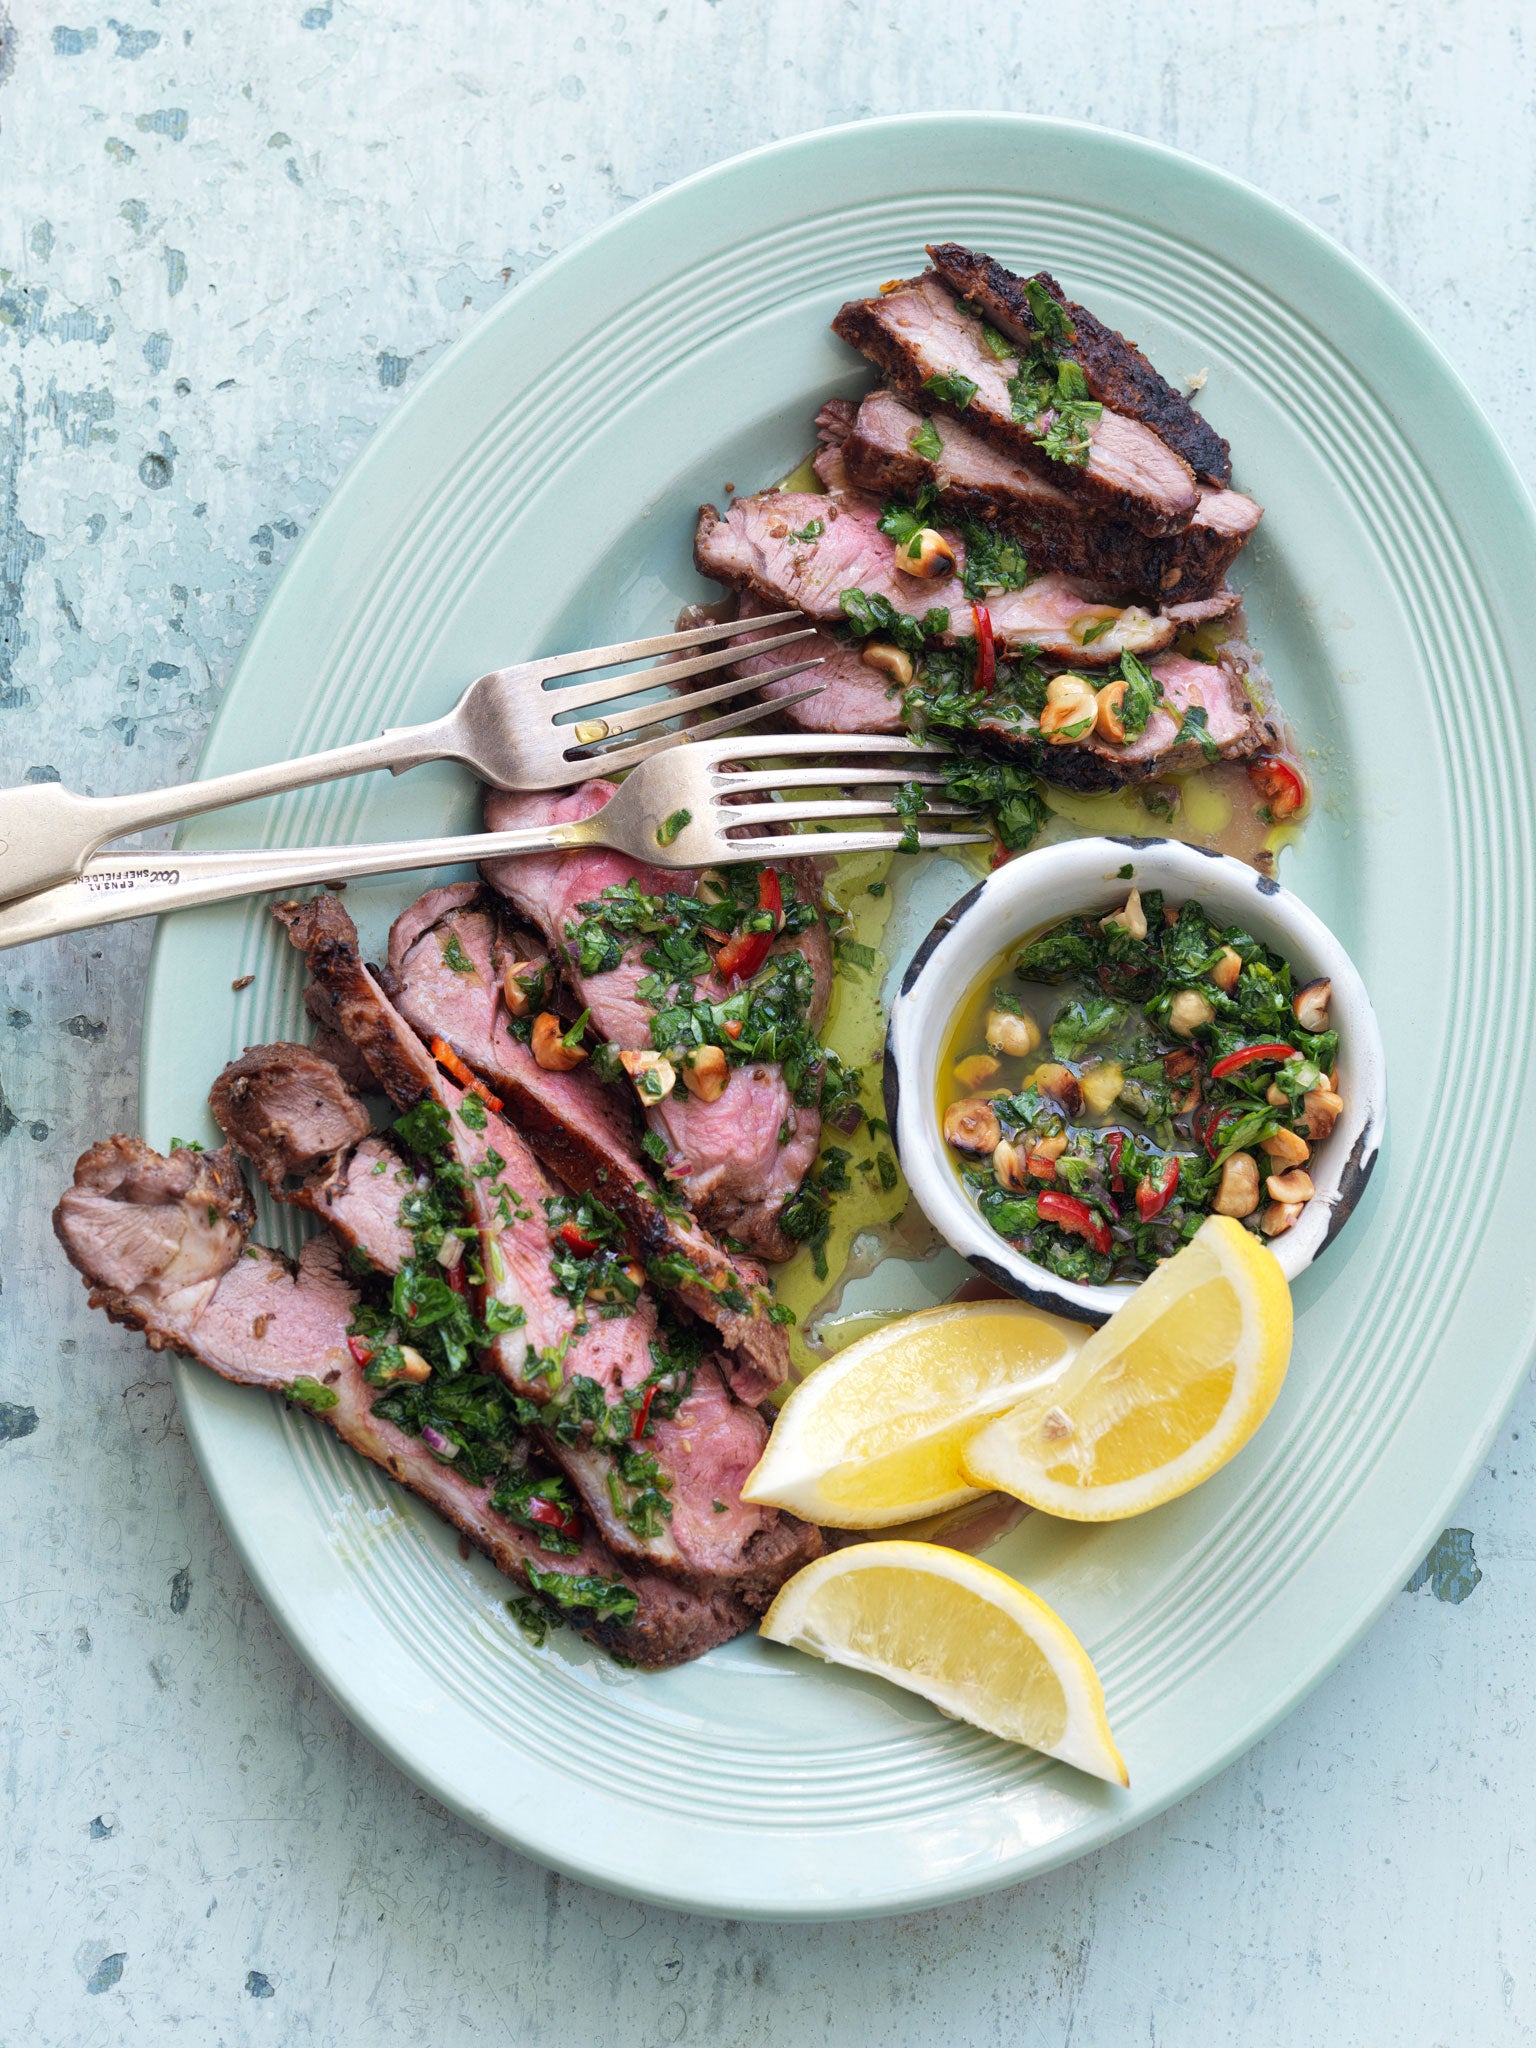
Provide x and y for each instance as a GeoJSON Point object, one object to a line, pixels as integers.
{"type": "Point", "coordinates": [233, 238]}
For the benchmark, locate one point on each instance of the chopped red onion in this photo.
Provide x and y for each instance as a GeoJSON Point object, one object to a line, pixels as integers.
{"type": "Point", "coordinates": [440, 1446]}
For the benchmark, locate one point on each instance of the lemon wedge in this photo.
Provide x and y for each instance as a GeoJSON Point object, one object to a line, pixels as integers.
{"type": "Point", "coordinates": [874, 1437]}
{"type": "Point", "coordinates": [1172, 1386]}
{"type": "Point", "coordinates": [960, 1633]}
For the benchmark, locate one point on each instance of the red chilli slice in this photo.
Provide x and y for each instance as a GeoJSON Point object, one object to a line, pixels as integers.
{"type": "Point", "coordinates": [552, 1517]}
{"type": "Point", "coordinates": [1068, 1213]}
{"type": "Point", "coordinates": [450, 1062]}
{"type": "Point", "coordinates": [986, 648]}
{"type": "Point", "coordinates": [740, 957]}
{"type": "Point", "coordinates": [1158, 1189]}
{"type": "Point", "coordinates": [1280, 784]}
{"type": "Point", "coordinates": [642, 1415]}
{"type": "Point", "coordinates": [1272, 1049]}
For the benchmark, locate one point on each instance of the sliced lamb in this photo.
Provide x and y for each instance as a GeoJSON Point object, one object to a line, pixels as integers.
{"type": "Point", "coordinates": [1233, 725]}
{"type": "Point", "coordinates": [975, 480]}
{"type": "Point", "coordinates": [302, 1109]}
{"type": "Point", "coordinates": [581, 1130]}
{"type": "Point", "coordinates": [554, 1346]}
{"type": "Point", "coordinates": [1118, 373]}
{"type": "Point", "coordinates": [918, 332]}
{"type": "Point", "coordinates": [761, 545]}
{"type": "Point", "coordinates": [162, 1244]}
{"type": "Point", "coordinates": [737, 1184]}
{"type": "Point", "coordinates": [853, 697]}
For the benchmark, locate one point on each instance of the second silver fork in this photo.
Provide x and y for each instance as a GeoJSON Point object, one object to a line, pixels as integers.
{"type": "Point", "coordinates": [509, 728]}
{"type": "Point", "coordinates": [679, 809]}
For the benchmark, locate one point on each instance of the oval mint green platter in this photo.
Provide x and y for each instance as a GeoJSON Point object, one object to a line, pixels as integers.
{"type": "Point", "coordinates": [537, 492]}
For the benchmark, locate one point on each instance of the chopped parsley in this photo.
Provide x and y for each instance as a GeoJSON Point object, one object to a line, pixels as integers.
{"type": "Point", "coordinates": [813, 529]}
{"type": "Point", "coordinates": [1193, 726]}
{"type": "Point", "coordinates": [583, 1595]}
{"type": "Point", "coordinates": [903, 523]}
{"type": "Point", "coordinates": [807, 1215]}
{"type": "Point", "coordinates": [1142, 693]}
{"type": "Point", "coordinates": [670, 826]}
{"type": "Point", "coordinates": [871, 612]}
{"type": "Point", "coordinates": [924, 441]}
{"type": "Point", "coordinates": [455, 955]}
{"type": "Point", "coordinates": [993, 562]}
{"type": "Point", "coordinates": [909, 801]}
{"type": "Point", "coordinates": [1049, 393]}
{"type": "Point", "coordinates": [534, 1619]}
{"type": "Point", "coordinates": [949, 387]}
{"type": "Point", "coordinates": [311, 1394]}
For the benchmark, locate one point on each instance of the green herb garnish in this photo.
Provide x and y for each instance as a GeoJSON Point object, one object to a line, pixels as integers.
{"type": "Point", "coordinates": [951, 388]}
{"type": "Point", "coordinates": [924, 441]}
{"type": "Point", "coordinates": [308, 1393]}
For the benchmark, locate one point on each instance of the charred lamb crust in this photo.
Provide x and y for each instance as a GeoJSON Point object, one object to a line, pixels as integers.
{"type": "Point", "coordinates": [1118, 374]}
{"type": "Point", "coordinates": [326, 936]}
{"type": "Point", "coordinates": [583, 1132]}
{"type": "Point", "coordinates": [330, 1045]}
{"type": "Point", "coordinates": [975, 480]}
{"type": "Point", "coordinates": [917, 331]}
{"type": "Point", "coordinates": [288, 1109]}
{"type": "Point", "coordinates": [207, 1316]}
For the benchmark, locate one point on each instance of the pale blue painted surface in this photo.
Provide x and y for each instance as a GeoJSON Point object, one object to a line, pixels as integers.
{"type": "Point", "coordinates": [231, 238]}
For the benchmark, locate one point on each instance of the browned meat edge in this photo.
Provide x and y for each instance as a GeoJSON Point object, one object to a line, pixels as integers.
{"type": "Point", "coordinates": [1060, 537]}
{"type": "Point", "coordinates": [1153, 507]}
{"type": "Point", "coordinates": [1118, 373]}
{"type": "Point", "coordinates": [672, 1624]}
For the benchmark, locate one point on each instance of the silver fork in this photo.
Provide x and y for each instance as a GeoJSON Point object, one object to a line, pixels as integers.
{"type": "Point", "coordinates": [509, 727]}
{"type": "Point", "coordinates": [678, 809]}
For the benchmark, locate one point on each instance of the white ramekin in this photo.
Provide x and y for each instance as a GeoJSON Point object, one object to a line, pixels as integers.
{"type": "Point", "coordinates": [1062, 881]}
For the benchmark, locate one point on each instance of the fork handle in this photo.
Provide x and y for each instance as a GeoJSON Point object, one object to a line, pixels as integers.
{"type": "Point", "coordinates": [117, 886]}
{"type": "Point", "coordinates": [48, 833]}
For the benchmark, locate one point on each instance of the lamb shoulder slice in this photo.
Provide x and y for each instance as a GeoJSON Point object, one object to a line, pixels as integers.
{"type": "Point", "coordinates": [163, 1245]}
{"type": "Point", "coordinates": [1118, 373]}
{"type": "Point", "coordinates": [924, 341]}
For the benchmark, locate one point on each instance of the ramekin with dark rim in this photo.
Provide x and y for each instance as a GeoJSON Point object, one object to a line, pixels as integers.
{"type": "Point", "coordinates": [1041, 889]}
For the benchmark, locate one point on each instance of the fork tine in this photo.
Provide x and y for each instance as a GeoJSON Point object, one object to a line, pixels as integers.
{"type": "Point", "coordinates": [658, 644]}
{"type": "Point", "coordinates": [727, 815]}
{"type": "Point", "coordinates": [686, 700]}
{"type": "Point", "coordinates": [797, 845]}
{"type": "Point", "coordinates": [558, 702]}
{"type": "Point", "coordinates": [727, 784]}
{"type": "Point", "coordinates": [610, 759]}
{"type": "Point", "coordinates": [829, 744]}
